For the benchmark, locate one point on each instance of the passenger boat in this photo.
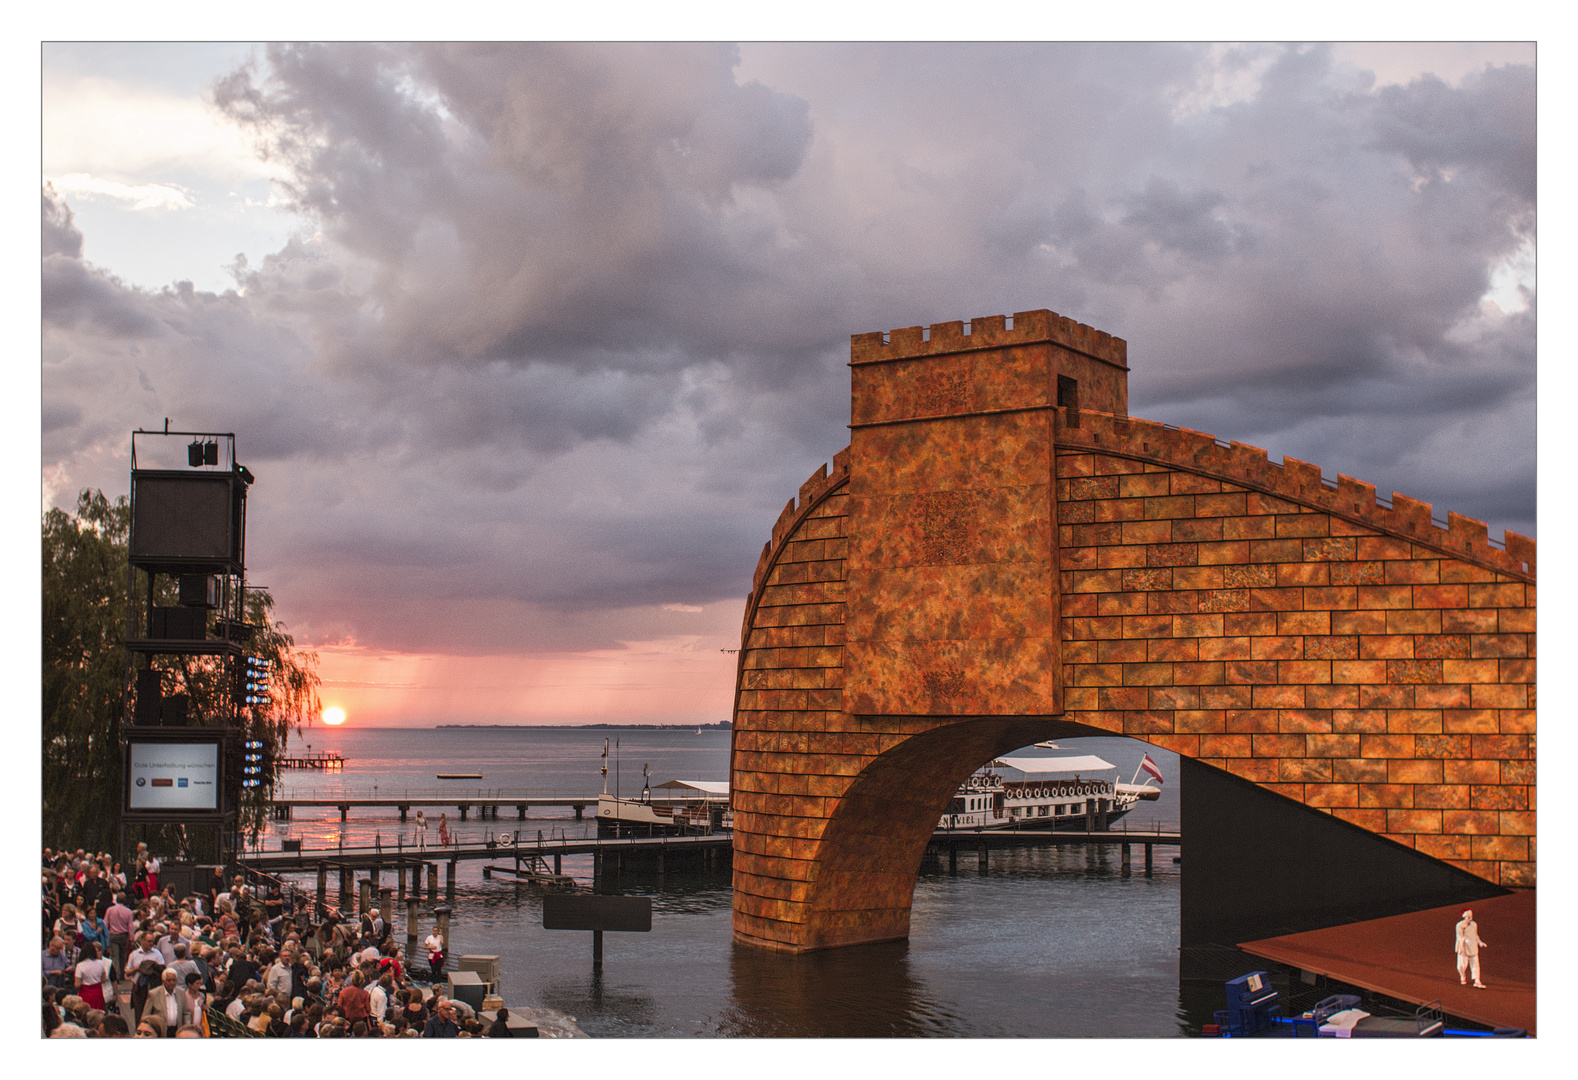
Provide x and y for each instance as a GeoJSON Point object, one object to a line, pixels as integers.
{"type": "Point", "coordinates": [1042, 792]}
{"type": "Point", "coordinates": [675, 808]}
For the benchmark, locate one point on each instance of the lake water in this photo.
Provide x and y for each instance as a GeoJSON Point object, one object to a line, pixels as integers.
{"type": "Point", "coordinates": [1049, 942]}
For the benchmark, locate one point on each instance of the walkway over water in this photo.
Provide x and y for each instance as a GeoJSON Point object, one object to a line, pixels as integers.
{"type": "Point", "coordinates": [486, 803]}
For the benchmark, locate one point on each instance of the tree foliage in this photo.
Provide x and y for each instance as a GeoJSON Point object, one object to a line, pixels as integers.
{"type": "Point", "coordinates": [86, 678]}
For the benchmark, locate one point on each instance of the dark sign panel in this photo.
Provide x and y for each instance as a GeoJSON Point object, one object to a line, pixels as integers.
{"type": "Point", "coordinates": [181, 517]}
{"type": "Point", "coordinates": [583, 911]}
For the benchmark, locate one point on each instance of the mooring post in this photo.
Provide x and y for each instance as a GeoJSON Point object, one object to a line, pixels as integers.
{"type": "Point", "coordinates": [1125, 857]}
{"type": "Point", "coordinates": [347, 887]}
{"type": "Point", "coordinates": [400, 877]}
{"type": "Point", "coordinates": [410, 927]}
{"type": "Point", "coordinates": [442, 914]}
{"type": "Point", "coordinates": [1090, 815]}
{"type": "Point", "coordinates": [1147, 859]}
{"type": "Point", "coordinates": [449, 881]}
{"type": "Point", "coordinates": [323, 886]}
{"type": "Point", "coordinates": [597, 948]}
{"type": "Point", "coordinates": [953, 856]}
{"type": "Point", "coordinates": [432, 882]}
{"type": "Point", "coordinates": [364, 896]}
{"type": "Point", "coordinates": [981, 862]}
{"type": "Point", "coordinates": [374, 876]}
{"type": "Point", "coordinates": [386, 904]}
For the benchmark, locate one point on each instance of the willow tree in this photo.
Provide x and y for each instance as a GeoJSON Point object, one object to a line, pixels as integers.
{"type": "Point", "coordinates": [85, 679]}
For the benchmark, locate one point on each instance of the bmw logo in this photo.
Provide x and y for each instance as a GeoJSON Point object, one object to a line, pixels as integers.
{"type": "Point", "coordinates": [141, 782]}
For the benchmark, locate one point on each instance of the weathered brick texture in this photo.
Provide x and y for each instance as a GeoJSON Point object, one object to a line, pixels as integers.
{"type": "Point", "coordinates": [1347, 654]}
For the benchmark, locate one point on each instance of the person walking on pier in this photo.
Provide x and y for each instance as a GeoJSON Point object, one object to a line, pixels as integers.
{"type": "Point", "coordinates": [1467, 948]}
{"type": "Point", "coordinates": [421, 832]}
{"type": "Point", "coordinates": [443, 830]}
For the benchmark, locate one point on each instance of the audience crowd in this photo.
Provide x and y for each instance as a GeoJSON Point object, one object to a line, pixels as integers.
{"type": "Point", "coordinates": [125, 957]}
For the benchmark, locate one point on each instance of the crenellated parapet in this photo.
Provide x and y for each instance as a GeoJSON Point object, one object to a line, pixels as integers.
{"type": "Point", "coordinates": [988, 332]}
{"type": "Point", "coordinates": [1298, 482]}
{"type": "Point", "coordinates": [820, 484]}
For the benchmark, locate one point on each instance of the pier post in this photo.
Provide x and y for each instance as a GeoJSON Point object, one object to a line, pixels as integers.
{"type": "Point", "coordinates": [376, 871]}
{"type": "Point", "coordinates": [953, 857]}
{"type": "Point", "coordinates": [347, 887]}
{"type": "Point", "coordinates": [386, 906]}
{"type": "Point", "coordinates": [405, 808]}
{"type": "Point", "coordinates": [323, 887]}
{"type": "Point", "coordinates": [410, 928]}
{"type": "Point", "coordinates": [463, 809]}
{"type": "Point", "coordinates": [364, 894]}
{"type": "Point", "coordinates": [1147, 860]}
{"type": "Point", "coordinates": [597, 948]}
{"type": "Point", "coordinates": [520, 812]}
{"type": "Point", "coordinates": [981, 861]}
{"type": "Point", "coordinates": [345, 812]}
{"type": "Point", "coordinates": [556, 862]}
{"type": "Point", "coordinates": [578, 808]}
{"type": "Point", "coordinates": [1101, 815]}
{"type": "Point", "coordinates": [1090, 815]}
{"type": "Point", "coordinates": [442, 914]}
{"type": "Point", "coordinates": [1125, 857]}
{"type": "Point", "coordinates": [449, 881]}
{"type": "Point", "coordinates": [432, 882]}
{"type": "Point", "coordinates": [400, 877]}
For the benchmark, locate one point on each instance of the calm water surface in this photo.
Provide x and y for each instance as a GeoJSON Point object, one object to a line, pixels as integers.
{"type": "Point", "coordinates": [1049, 942]}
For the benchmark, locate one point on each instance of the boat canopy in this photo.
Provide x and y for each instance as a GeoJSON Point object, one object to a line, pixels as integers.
{"type": "Point", "coordinates": [1048, 767]}
{"type": "Point", "coordinates": [693, 787]}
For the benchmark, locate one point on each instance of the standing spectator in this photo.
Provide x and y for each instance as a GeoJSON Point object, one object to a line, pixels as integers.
{"type": "Point", "coordinates": [421, 832]}
{"type": "Point", "coordinates": [195, 1002]}
{"type": "Point", "coordinates": [96, 893]}
{"type": "Point", "coordinates": [167, 1002]}
{"type": "Point", "coordinates": [93, 978]}
{"type": "Point", "coordinates": [56, 963]}
{"type": "Point", "coordinates": [93, 931]}
{"type": "Point", "coordinates": [443, 830]}
{"type": "Point", "coordinates": [442, 1025]}
{"type": "Point", "coordinates": [354, 1001]}
{"type": "Point", "coordinates": [118, 921]}
{"type": "Point", "coordinates": [434, 944]}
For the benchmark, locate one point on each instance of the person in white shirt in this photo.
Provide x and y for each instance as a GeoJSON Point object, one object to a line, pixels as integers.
{"type": "Point", "coordinates": [377, 1001]}
{"type": "Point", "coordinates": [1467, 949]}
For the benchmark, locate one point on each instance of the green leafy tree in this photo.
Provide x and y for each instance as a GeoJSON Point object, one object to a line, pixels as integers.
{"type": "Point", "coordinates": [86, 677]}
{"type": "Point", "coordinates": [84, 684]}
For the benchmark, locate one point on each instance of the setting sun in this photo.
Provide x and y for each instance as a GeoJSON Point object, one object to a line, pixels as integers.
{"type": "Point", "coordinates": [334, 717]}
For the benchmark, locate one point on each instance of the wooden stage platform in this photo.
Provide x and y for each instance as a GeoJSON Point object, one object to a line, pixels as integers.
{"type": "Point", "coordinates": [1410, 957]}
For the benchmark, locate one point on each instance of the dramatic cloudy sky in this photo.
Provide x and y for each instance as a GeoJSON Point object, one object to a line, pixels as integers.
{"type": "Point", "coordinates": [527, 345]}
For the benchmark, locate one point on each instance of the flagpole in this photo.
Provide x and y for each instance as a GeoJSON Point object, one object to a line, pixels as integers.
{"type": "Point", "coordinates": [1137, 769]}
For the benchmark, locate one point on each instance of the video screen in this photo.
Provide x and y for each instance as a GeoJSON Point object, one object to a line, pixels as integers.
{"type": "Point", "coordinates": [173, 776]}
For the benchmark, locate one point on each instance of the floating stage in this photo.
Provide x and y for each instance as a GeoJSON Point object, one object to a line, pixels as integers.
{"type": "Point", "coordinates": [1410, 957]}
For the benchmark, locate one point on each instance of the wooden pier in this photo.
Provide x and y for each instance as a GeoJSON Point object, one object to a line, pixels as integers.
{"type": "Point", "coordinates": [328, 761]}
{"type": "Point", "coordinates": [485, 803]}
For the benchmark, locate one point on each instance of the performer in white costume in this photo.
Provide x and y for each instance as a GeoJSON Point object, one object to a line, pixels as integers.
{"type": "Point", "coordinates": [1468, 946]}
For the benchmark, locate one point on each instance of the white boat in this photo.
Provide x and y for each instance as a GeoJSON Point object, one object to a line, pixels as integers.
{"type": "Point", "coordinates": [678, 807]}
{"type": "Point", "coordinates": [1043, 792]}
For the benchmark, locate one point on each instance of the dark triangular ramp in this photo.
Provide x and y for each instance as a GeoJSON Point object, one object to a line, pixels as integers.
{"type": "Point", "coordinates": [1257, 865]}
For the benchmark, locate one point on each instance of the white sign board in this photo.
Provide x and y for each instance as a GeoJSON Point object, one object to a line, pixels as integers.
{"type": "Point", "coordinates": [174, 776]}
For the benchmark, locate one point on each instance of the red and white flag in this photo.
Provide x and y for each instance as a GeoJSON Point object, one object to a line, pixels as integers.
{"type": "Point", "coordinates": [1150, 767]}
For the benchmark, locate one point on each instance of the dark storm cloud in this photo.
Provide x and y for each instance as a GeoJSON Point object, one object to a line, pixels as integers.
{"type": "Point", "coordinates": [569, 322]}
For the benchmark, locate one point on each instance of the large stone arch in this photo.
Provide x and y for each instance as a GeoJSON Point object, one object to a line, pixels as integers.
{"type": "Point", "coordinates": [1002, 555]}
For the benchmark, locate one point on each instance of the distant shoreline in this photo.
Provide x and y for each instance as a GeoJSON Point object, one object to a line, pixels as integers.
{"type": "Point", "coordinates": [722, 725]}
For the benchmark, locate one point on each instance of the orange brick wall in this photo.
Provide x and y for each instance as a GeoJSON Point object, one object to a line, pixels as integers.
{"type": "Point", "coordinates": [1355, 672]}
{"type": "Point", "coordinates": [1343, 651]}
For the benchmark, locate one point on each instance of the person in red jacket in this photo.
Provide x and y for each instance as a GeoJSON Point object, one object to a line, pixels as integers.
{"type": "Point", "coordinates": [354, 1001]}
